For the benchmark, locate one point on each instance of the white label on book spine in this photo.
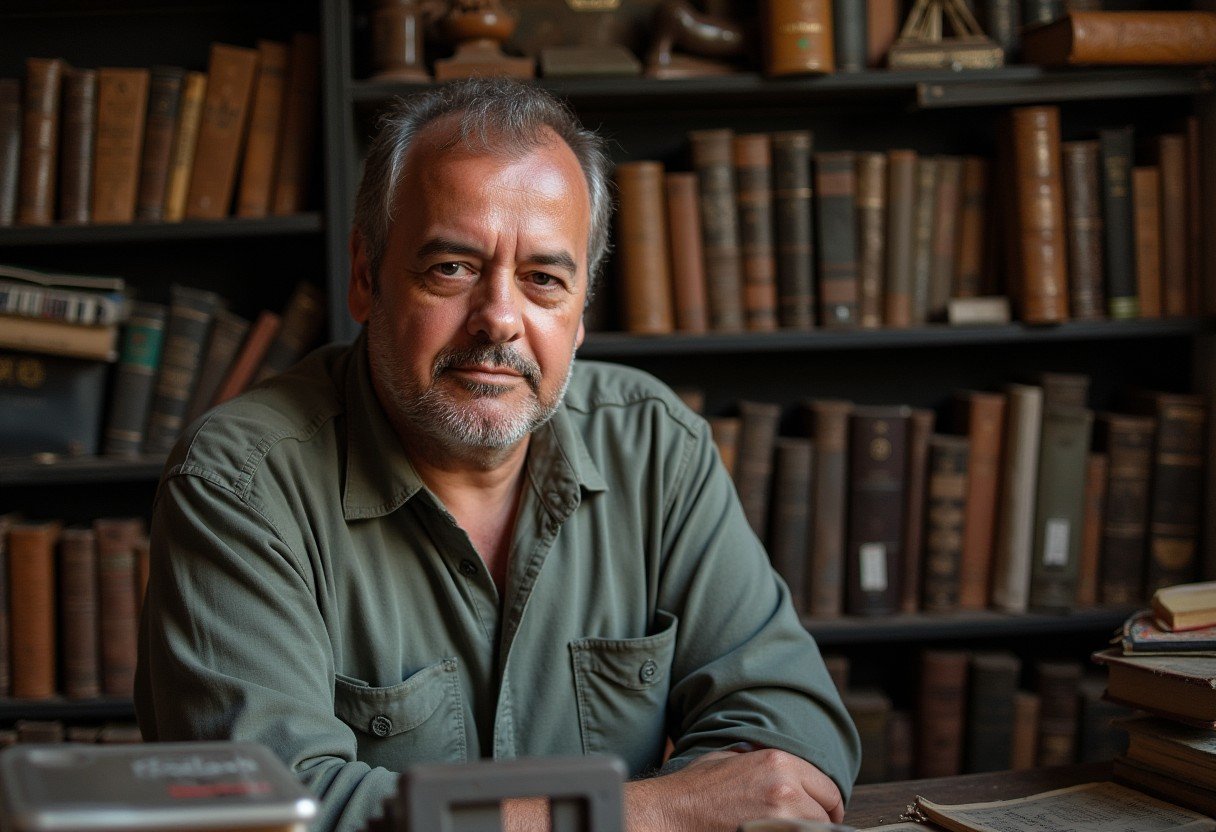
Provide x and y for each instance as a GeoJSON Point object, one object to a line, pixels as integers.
{"type": "Point", "coordinates": [1055, 544]}
{"type": "Point", "coordinates": [873, 567]}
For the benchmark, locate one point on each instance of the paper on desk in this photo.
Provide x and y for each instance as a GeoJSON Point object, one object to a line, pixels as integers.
{"type": "Point", "coordinates": [896, 827]}
{"type": "Point", "coordinates": [1091, 807]}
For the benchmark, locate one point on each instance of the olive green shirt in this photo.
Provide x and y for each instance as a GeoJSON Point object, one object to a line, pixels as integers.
{"type": "Point", "coordinates": [308, 592]}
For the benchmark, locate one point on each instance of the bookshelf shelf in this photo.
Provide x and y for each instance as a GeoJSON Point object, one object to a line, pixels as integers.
{"type": "Point", "coordinates": [92, 469]}
{"type": "Point", "coordinates": [68, 710]}
{"type": "Point", "coordinates": [297, 224]}
{"type": "Point", "coordinates": [962, 626]}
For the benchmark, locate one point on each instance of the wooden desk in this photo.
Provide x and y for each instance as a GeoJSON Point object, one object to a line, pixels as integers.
{"type": "Point", "coordinates": [884, 802]}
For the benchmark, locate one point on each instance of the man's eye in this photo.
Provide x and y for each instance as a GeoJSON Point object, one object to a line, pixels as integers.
{"type": "Point", "coordinates": [542, 279]}
{"type": "Point", "coordinates": [449, 269]}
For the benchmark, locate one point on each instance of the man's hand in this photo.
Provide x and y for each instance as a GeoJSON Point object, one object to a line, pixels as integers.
{"type": "Point", "coordinates": [721, 790]}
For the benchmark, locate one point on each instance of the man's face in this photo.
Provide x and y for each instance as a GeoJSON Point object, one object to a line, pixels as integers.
{"type": "Point", "coordinates": [478, 312]}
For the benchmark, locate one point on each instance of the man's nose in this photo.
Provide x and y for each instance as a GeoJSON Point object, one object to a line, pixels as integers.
{"type": "Point", "coordinates": [496, 308]}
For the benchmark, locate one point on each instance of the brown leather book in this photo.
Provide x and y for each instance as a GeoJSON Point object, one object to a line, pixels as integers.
{"type": "Point", "coordinates": [982, 416]}
{"type": "Point", "coordinates": [941, 712]}
{"type": "Point", "coordinates": [39, 141]}
{"type": "Point", "coordinates": [185, 141]}
{"type": "Point", "coordinates": [1091, 536]}
{"type": "Point", "coordinates": [265, 122]}
{"type": "Point", "coordinates": [836, 227]}
{"type": "Point", "coordinates": [1039, 197]}
{"type": "Point", "coordinates": [1059, 507]}
{"type": "Point", "coordinates": [1115, 37]}
{"type": "Point", "coordinates": [1127, 442]}
{"type": "Point", "coordinates": [298, 136]}
{"type": "Point", "coordinates": [1083, 205]}
{"type": "Point", "coordinates": [249, 358]}
{"type": "Point", "coordinates": [1146, 203]}
{"type": "Point", "coordinates": [6, 523]}
{"type": "Point", "coordinates": [792, 229]}
{"type": "Point", "coordinates": [901, 747]}
{"type": "Point", "coordinates": [1194, 216]}
{"type": "Point", "coordinates": [753, 161]}
{"type": "Point", "coordinates": [973, 219]}
{"type": "Point", "coordinates": [691, 306]}
{"type": "Point", "coordinates": [944, 516]}
{"type": "Point", "coordinates": [10, 148]}
{"type": "Point", "coordinates": [922, 248]}
{"type": "Point", "coordinates": [920, 429]}
{"type": "Point", "coordinates": [827, 422]}
{"type": "Point", "coordinates": [754, 463]}
{"type": "Point", "coordinates": [78, 613]}
{"type": "Point", "coordinates": [883, 21]}
{"type": "Point", "coordinates": [725, 432]}
{"type": "Point", "coordinates": [1171, 164]}
{"type": "Point", "coordinates": [790, 524]}
{"type": "Point", "coordinates": [118, 603]}
{"type": "Point", "coordinates": [992, 685]}
{"type": "Point", "coordinates": [869, 709]}
{"type": "Point", "coordinates": [645, 278]}
{"type": "Point", "coordinates": [77, 141]}
{"type": "Point", "coordinates": [1058, 689]}
{"type": "Point", "coordinates": [122, 104]}
{"type": "Point", "coordinates": [871, 236]}
{"type": "Point", "coordinates": [1014, 548]}
{"type": "Point", "coordinates": [303, 322]}
{"type": "Point", "coordinates": [164, 103]}
{"type": "Point", "coordinates": [878, 471]}
{"type": "Point", "coordinates": [947, 208]}
{"type": "Point", "coordinates": [711, 159]}
{"type": "Point", "coordinates": [31, 567]}
{"type": "Point", "coordinates": [231, 73]}
{"type": "Point", "coordinates": [797, 37]}
{"type": "Point", "coordinates": [1025, 752]}
{"type": "Point", "coordinates": [228, 332]}
{"type": "Point", "coordinates": [901, 237]}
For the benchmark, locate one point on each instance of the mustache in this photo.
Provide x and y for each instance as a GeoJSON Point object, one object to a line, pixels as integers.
{"type": "Point", "coordinates": [494, 355]}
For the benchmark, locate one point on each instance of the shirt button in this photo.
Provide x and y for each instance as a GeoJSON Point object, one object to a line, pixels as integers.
{"type": "Point", "coordinates": [467, 567]}
{"type": "Point", "coordinates": [648, 671]}
{"type": "Point", "coordinates": [381, 725]}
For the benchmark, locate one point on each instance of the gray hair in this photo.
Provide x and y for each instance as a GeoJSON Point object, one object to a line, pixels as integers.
{"type": "Point", "coordinates": [498, 116]}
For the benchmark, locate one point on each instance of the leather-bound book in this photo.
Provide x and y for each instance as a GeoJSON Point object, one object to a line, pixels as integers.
{"type": "Point", "coordinates": [1083, 204]}
{"type": "Point", "coordinates": [691, 306]}
{"type": "Point", "coordinates": [1194, 216]}
{"type": "Point", "coordinates": [1025, 730]}
{"type": "Point", "coordinates": [6, 523]}
{"type": "Point", "coordinates": [990, 711]}
{"type": "Point", "coordinates": [850, 35]}
{"type": "Point", "coordinates": [1002, 20]}
{"type": "Point", "coordinates": [1064, 389]}
{"type": "Point", "coordinates": [1039, 190]}
{"type": "Point", "coordinates": [1115, 147]}
{"type": "Point", "coordinates": [39, 141]}
{"type": "Point", "coordinates": [164, 104]}
{"type": "Point", "coordinates": [1127, 442]}
{"type": "Point", "coordinates": [40, 731]}
{"type": "Point", "coordinates": [77, 141]}
{"type": "Point", "coordinates": [982, 417]}
{"type": "Point", "coordinates": [265, 121]}
{"type": "Point", "coordinates": [711, 159]}
{"type": "Point", "coordinates": [792, 228]}
{"type": "Point", "coordinates": [642, 241]}
{"type": "Point", "coordinates": [878, 471]}
{"type": "Point", "coordinates": [946, 211]}
{"type": "Point", "coordinates": [754, 463]}
{"type": "Point", "coordinates": [1039, 12]}
{"type": "Point", "coordinates": [231, 73]}
{"type": "Point", "coordinates": [1091, 536]}
{"type": "Point", "coordinates": [901, 747]}
{"type": "Point", "coordinates": [944, 516]}
{"type": "Point", "coordinates": [31, 567]}
{"type": "Point", "coordinates": [797, 37]}
{"type": "Point", "coordinates": [1171, 164]}
{"type": "Point", "coordinates": [298, 136]}
{"type": "Point", "coordinates": [1099, 737]}
{"type": "Point", "coordinates": [243, 368]}
{"type": "Point", "coordinates": [836, 227]}
{"type": "Point", "coordinates": [869, 709]}
{"type": "Point", "coordinates": [901, 237]}
{"type": "Point", "coordinates": [118, 607]}
{"type": "Point", "coordinates": [754, 196]}
{"type": "Point", "coordinates": [973, 219]}
{"type": "Point", "coordinates": [185, 141]}
{"type": "Point", "coordinates": [790, 526]}
{"type": "Point", "coordinates": [122, 103]}
{"type": "Point", "coordinates": [78, 613]}
{"type": "Point", "coordinates": [922, 247]}
{"type": "Point", "coordinates": [883, 22]}
{"type": "Point", "coordinates": [303, 321]}
{"type": "Point", "coordinates": [228, 332]}
{"type": "Point", "coordinates": [1059, 507]}
{"type": "Point", "coordinates": [1019, 481]}
{"type": "Point", "coordinates": [725, 433]}
{"type": "Point", "coordinates": [135, 379]}
{"type": "Point", "coordinates": [1058, 689]}
{"type": "Point", "coordinates": [941, 712]}
{"type": "Point", "coordinates": [838, 669]}
{"type": "Point", "coordinates": [1119, 37]}
{"type": "Point", "coordinates": [191, 312]}
{"type": "Point", "coordinates": [10, 148]}
{"type": "Point", "coordinates": [1146, 207]}
{"type": "Point", "coordinates": [871, 236]}
{"type": "Point", "coordinates": [920, 429]}
{"type": "Point", "coordinates": [827, 422]}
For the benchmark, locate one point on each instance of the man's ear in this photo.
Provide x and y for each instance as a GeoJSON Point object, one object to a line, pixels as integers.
{"type": "Point", "coordinates": [581, 334]}
{"type": "Point", "coordinates": [359, 290]}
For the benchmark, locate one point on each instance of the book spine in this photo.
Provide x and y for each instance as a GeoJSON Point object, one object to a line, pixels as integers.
{"type": "Point", "coordinates": [798, 37]}
{"type": "Point", "coordinates": [901, 747]}
{"type": "Point", "coordinates": [1146, 207]}
{"type": "Point", "coordinates": [1025, 730]}
{"type": "Point", "coordinates": [849, 23]}
{"type": "Point", "coordinates": [1039, 191]}
{"type": "Point", "coordinates": [1038, 12]}
{"type": "Point", "coordinates": [1120, 37]}
{"type": "Point", "coordinates": [39, 141]}
{"type": "Point", "coordinates": [1194, 214]}
{"type": "Point", "coordinates": [883, 21]}
{"type": "Point", "coordinates": [790, 525]}
{"type": "Point", "coordinates": [725, 432]}
{"type": "Point", "coordinates": [901, 237]}
{"type": "Point", "coordinates": [1128, 444]}
{"type": "Point", "coordinates": [1119, 222]}
{"type": "Point", "coordinates": [836, 224]}
{"type": "Point", "coordinates": [687, 265]}
{"type": "Point", "coordinates": [985, 421]}
{"type": "Point", "coordinates": [792, 197]}
{"type": "Point", "coordinates": [1171, 162]}
{"type": "Point", "coordinates": [1003, 23]}
{"type": "Point", "coordinates": [1064, 389]}
{"type": "Point", "coordinates": [231, 72]}
{"type": "Point", "coordinates": [754, 463]}
{"type": "Point", "coordinates": [1176, 490]}
{"type": "Point", "coordinates": [969, 265]}
{"type": "Point", "coordinates": [878, 463]}
{"type": "Point", "coordinates": [134, 380]}
{"type": "Point", "coordinates": [871, 236]}
{"type": "Point", "coordinates": [944, 517]}
{"type": "Point", "coordinates": [1059, 507]}
{"type": "Point", "coordinates": [78, 613]}
{"type": "Point", "coordinates": [1058, 700]}
{"type": "Point", "coordinates": [227, 334]}
{"type": "Point", "coordinates": [990, 711]}
{"type": "Point", "coordinates": [118, 605]}
{"type": "Point", "coordinates": [828, 424]}
{"type": "Point", "coordinates": [122, 102]}
{"type": "Point", "coordinates": [185, 141]}
{"type": "Point", "coordinates": [1091, 537]}
{"type": "Point", "coordinates": [946, 215]}
{"type": "Point", "coordinates": [31, 563]}
{"type": "Point", "coordinates": [644, 261]}
{"type": "Point", "coordinates": [1015, 533]}
{"type": "Point", "coordinates": [10, 148]}
{"type": "Point", "coordinates": [298, 135]}
{"type": "Point", "coordinates": [941, 710]}
{"type": "Point", "coordinates": [303, 320]}
{"type": "Point", "coordinates": [922, 249]}
{"type": "Point", "coordinates": [190, 315]}
{"type": "Point", "coordinates": [79, 136]}
{"type": "Point", "coordinates": [6, 523]}
{"type": "Point", "coordinates": [753, 174]}
{"type": "Point", "coordinates": [164, 102]}
{"type": "Point", "coordinates": [249, 358]}
{"type": "Point", "coordinates": [265, 122]}
{"type": "Point", "coordinates": [869, 710]}
{"type": "Point", "coordinates": [711, 159]}
{"type": "Point", "coordinates": [920, 429]}
{"type": "Point", "coordinates": [1083, 205]}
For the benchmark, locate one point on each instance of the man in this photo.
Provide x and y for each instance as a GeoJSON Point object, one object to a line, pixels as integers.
{"type": "Point", "coordinates": [448, 541]}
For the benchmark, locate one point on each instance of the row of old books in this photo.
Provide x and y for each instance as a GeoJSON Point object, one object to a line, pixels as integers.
{"type": "Point", "coordinates": [1031, 502]}
{"type": "Point", "coordinates": [69, 607]}
{"type": "Point", "coordinates": [768, 234]}
{"type": "Point", "coordinates": [43, 731]}
{"type": "Point", "coordinates": [969, 714]}
{"type": "Point", "coordinates": [121, 145]}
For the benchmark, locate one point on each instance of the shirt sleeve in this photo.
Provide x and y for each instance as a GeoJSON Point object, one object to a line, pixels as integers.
{"type": "Point", "coordinates": [233, 646]}
{"type": "Point", "coordinates": [745, 669]}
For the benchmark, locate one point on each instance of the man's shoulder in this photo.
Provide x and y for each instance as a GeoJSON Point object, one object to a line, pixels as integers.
{"type": "Point", "coordinates": [601, 388]}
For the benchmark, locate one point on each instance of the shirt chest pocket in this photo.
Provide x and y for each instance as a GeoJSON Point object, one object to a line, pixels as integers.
{"type": "Point", "coordinates": [418, 720]}
{"type": "Point", "coordinates": [621, 687]}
